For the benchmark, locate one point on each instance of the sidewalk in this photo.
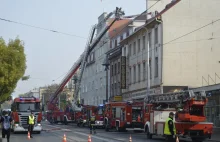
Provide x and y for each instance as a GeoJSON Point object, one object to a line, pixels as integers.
{"type": "Point", "coordinates": [216, 135]}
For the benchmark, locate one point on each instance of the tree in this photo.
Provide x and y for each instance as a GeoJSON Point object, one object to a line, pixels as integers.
{"type": "Point", "coordinates": [12, 66]}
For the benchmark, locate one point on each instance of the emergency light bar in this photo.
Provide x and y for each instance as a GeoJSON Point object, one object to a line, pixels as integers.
{"type": "Point", "coordinates": [28, 98]}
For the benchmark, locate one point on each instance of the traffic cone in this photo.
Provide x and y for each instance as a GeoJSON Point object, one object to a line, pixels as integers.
{"type": "Point", "coordinates": [64, 138]}
{"type": "Point", "coordinates": [130, 139]}
{"type": "Point", "coordinates": [29, 137]}
{"type": "Point", "coordinates": [89, 139]}
{"type": "Point", "coordinates": [177, 139]}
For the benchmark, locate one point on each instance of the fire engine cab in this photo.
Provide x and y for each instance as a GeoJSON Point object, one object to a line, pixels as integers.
{"type": "Point", "coordinates": [21, 109]}
{"type": "Point", "coordinates": [188, 107]}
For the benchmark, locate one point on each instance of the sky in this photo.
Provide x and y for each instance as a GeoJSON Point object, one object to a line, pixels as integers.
{"type": "Point", "coordinates": [50, 55]}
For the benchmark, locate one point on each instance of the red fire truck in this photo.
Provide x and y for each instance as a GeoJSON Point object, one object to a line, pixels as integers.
{"type": "Point", "coordinates": [124, 116]}
{"type": "Point", "coordinates": [86, 113]}
{"type": "Point", "coordinates": [189, 109]}
{"type": "Point", "coordinates": [117, 115]}
{"type": "Point", "coordinates": [99, 116]}
{"type": "Point", "coordinates": [55, 115]}
{"type": "Point", "coordinates": [21, 108]}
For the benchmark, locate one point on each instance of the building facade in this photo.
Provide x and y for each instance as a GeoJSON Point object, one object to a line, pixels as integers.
{"type": "Point", "coordinates": [117, 67]}
{"type": "Point", "coordinates": [93, 83]}
{"type": "Point", "coordinates": [178, 59]}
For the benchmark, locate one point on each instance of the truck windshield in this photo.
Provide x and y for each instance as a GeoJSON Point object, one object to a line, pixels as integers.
{"type": "Point", "coordinates": [28, 106]}
{"type": "Point", "coordinates": [100, 110]}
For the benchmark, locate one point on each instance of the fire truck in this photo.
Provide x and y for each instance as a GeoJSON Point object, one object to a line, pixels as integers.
{"type": "Point", "coordinates": [124, 116]}
{"type": "Point", "coordinates": [21, 109]}
{"type": "Point", "coordinates": [86, 113]}
{"type": "Point", "coordinates": [99, 116]}
{"type": "Point", "coordinates": [80, 64]}
{"type": "Point", "coordinates": [188, 107]}
{"type": "Point", "coordinates": [117, 115]}
{"type": "Point", "coordinates": [56, 116]}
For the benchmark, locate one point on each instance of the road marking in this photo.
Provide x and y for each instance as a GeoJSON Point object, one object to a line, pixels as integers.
{"type": "Point", "coordinates": [96, 137]}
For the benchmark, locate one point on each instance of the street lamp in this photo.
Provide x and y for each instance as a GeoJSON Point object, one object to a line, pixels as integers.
{"type": "Point", "coordinates": [106, 64]}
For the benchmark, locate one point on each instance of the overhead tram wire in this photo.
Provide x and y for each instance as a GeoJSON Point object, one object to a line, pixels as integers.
{"type": "Point", "coordinates": [36, 27]}
{"type": "Point", "coordinates": [67, 34]}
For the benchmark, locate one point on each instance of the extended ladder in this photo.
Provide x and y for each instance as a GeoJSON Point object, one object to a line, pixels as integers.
{"type": "Point", "coordinates": [176, 97]}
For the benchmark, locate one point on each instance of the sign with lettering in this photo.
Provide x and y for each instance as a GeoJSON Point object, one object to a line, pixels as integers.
{"type": "Point", "coordinates": [123, 72]}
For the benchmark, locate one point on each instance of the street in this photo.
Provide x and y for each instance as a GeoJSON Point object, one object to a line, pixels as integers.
{"type": "Point", "coordinates": [54, 133]}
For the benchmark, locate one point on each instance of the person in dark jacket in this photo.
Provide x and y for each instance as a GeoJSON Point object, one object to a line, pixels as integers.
{"type": "Point", "coordinates": [6, 125]}
{"type": "Point", "coordinates": [31, 123]}
{"type": "Point", "coordinates": [169, 129]}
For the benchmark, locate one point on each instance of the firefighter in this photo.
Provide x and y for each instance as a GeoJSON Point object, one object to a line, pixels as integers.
{"type": "Point", "coordinates": [139, 118]}
{"type": "Point", "coordinates": [31, 122]}
{"type": "Point", "coordinates": [6, 125]}
{"type": "Point", "coordinates": [92, 122]}
{"type": "Point", "coordinates": [169, 129]}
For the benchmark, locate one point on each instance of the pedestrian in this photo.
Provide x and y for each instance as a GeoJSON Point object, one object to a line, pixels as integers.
{"type": "Point", "coordinates": [6, 125]}
{"type": "Point", "coordinates": [92, 123]}
{"type": "Point", "coordinates": [31, 123]}
{"type": "Point", "coordinates": [169, 129]}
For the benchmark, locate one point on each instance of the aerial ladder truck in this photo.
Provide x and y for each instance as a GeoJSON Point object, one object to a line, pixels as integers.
{"type": "Point", "coordinates": [54, 114]}
{"type": "Point", "coordinates": [188, 107]}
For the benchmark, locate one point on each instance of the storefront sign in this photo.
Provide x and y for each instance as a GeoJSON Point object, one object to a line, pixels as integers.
{"type": "Point", "coordinates": [123, 72]}
{"type": "Point", "coordinates": [118, 98]}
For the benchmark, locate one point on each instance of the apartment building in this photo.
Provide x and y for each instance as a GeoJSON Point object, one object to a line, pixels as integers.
{"type": "Point", "coordinates": [178, 59]}
{"type": "Point", "coordinates": [93, 85]}
{"type": "Point", "coordinates": [117, 33]}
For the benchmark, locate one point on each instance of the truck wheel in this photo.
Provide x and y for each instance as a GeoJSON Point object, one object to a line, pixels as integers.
{"type": "Point", "coordinates": [149, 136]}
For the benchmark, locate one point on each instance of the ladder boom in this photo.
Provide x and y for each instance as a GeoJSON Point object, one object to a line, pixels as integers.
{"type": "Point", "coordinates": [175, 97]}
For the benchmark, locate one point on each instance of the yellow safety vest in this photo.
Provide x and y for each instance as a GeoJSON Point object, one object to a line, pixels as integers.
{"type": "Point", "coordinates": [31, 120]}
{"type": "Point", "coordinates": [92, 118]}
{"type": "Point", "coordinates": [166, 128]}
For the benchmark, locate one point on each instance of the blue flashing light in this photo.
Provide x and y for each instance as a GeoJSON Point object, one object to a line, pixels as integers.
{"type": "Point", "coordinates": [101, 105]}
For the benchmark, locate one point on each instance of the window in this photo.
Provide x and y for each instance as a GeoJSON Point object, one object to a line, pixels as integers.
{"type": "Point", "coordinates": [134, 48]}
{"type": "Point", "coordinates": [150, 69]}
{"type": "Point", "coordinates": [156, 35]}
{"type": "Point", "coordinates": [116, 43]}
{"type": "Point", "coordinates": [115, 69]}
{"type": "Point", "coordinates": [119, 67]}
{"type": "Point", "coordinates": [129, 50]}
{"type": "Point", "coordinates": [127, 33]}
{"type": "Point", "coordinates": [111, 43]}
{"type": "Point", "coordinates": [130, 76]}
{"type": "Point", "coordinates": [139, 73]}
{"type": "Point", "coordinates": [112, 70]}
{"type": "Point", "coordinates": [156, 67]}
{"type": "Point", "coordinates": [134, 80]}
{"type": "Point", "coordinates": [101, 82]}
{"type": "Point", "coordinates": [124, 51]}
{"type": "Point", "coordinates": [121, 37]}
{"type": "Point", "coordinates": [149, 40]}
{"type": "Point", "coordinates": [144, 71]}
{"type": "Point", "coordinates": [139, 45]}
{"type": "Point", "coordinates": [92, 56]}
{"type": "Point", "coordinates": [143, 42]}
